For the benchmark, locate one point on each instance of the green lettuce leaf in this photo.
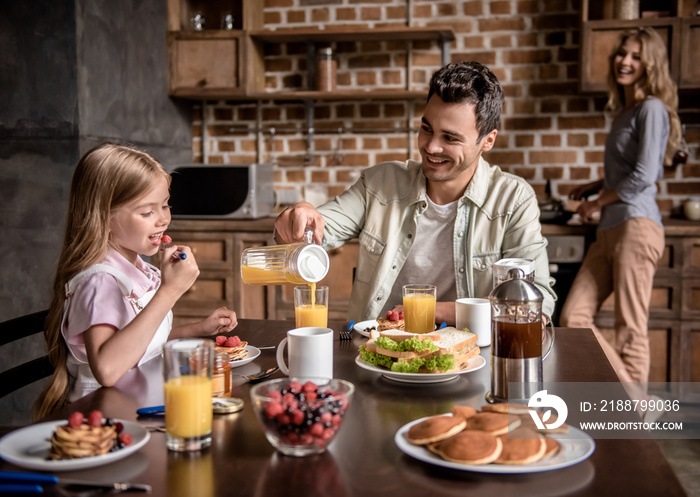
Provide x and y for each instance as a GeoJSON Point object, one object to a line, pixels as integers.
{"type": "Point", "coordinates": [411, 366]}
{"type": "Point", "coordinates": [411, 344]}
{"type": "Point", "coordinates": [379, 360]}
{"type": "Point", "coordinates": [441, 363]}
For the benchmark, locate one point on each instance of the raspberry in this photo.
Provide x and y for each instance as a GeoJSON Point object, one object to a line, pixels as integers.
{"type": "Point", "coordinates": [328, 433]}
{"type": "Point", "coordinates": [392, 315]}
{"type": "Point", "coordinates": [95, 419]}
{"type": "Point", "coordinates": [220, 340]}
{"type": "Point", "coordinates": [309, 386]}
{"type": "Point", "coordinates": [166, 240]}
{"type": "Point", "coordinates": [336, 420]}
{"type": "Point", "coordinates": [311, 396]}
{"type": "Point", "coordinates": [316, 429]}
{"type": "Point", "coordinates": [119, 427]}
{"type": "Point", "coordinates": [233, 341]}
{"type": "Point", "coordinates": [294, 387]}
{"type": "Point", "coordinates": [326, 417]}
{"type": "Point", "coordinates": [297, 417]}
{"type": "Point", "coordinates": [75, 419]}
{"type": "Point", "coordinates": [126, 438]}
{"type": "Point", "coordinates": [272, 409]}
{"type": "Point", "coordinates": [283, 419]}
{"type": "Point", "coordinates": [401, 315]}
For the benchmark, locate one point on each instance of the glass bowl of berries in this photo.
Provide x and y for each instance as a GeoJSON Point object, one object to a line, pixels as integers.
{"type": "Point", "coordinates": [300, 417]}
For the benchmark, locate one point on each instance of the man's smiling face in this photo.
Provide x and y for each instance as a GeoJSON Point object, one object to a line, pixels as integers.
{"type": "Point", "coordinates": [448, 142]}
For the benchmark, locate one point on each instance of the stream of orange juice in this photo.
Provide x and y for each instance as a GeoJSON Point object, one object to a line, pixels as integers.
{"type": "Point", "coordinates": [419, 313]}
{"type": "Point", "coordinates": [188, 411]}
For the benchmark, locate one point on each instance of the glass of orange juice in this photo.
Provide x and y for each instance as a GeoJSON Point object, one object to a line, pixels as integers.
{"type": "Point", "coordinates": [311, 306]}
{"type": "Point", "coordinates": [187, 374]}
{"type": "Point", "coordinates": [419, 308]}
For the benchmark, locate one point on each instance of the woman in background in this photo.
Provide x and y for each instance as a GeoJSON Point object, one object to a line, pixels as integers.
{"type": "Point", "coordinates": [630, 237]}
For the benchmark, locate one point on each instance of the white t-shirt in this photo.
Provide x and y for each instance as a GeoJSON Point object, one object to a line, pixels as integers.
{"type": "Point", "coordinates": [431, 258]}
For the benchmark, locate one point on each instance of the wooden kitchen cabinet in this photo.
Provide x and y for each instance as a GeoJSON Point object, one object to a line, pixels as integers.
{"type": "Point", "coordinates": [213, 62]}
{"type": "Point", "coordinates": [672, 19]}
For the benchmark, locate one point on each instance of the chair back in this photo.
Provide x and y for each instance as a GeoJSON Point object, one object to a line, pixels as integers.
{"type": "Point", "coordinates": [30, 371]}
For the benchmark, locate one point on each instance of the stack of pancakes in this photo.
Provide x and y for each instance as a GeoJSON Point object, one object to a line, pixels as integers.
{"type": "Point", "coordinates": [500, 434]}
{"type": "Point", "coordinates": [70, 442]}
{"type": "Point", "coordinates": [235, 353]}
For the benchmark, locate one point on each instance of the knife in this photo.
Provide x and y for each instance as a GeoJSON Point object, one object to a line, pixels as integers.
{"type": "Point", "coordinates": [34, 479]}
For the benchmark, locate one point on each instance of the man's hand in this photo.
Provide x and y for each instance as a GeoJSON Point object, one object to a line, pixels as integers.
{"type": "Point", "coordinates": [292, 222]}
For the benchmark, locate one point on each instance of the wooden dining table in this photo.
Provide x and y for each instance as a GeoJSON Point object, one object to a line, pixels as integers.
{"type": "Point", "coordinates": [364, 460]}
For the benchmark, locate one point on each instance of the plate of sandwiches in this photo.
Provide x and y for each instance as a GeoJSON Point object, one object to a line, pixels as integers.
{"type": "Point", "coordinates": [501, 438]}
{"type": "Point", "coordinates": [433, 357]}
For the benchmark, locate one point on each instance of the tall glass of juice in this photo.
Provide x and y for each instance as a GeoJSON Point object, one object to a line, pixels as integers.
{"type": "Point", "coordinates": [187, 376]}
{"type": "Point", "coordinates": [311, 306]}
{"type": "Point", "coordinates": [419, 308]}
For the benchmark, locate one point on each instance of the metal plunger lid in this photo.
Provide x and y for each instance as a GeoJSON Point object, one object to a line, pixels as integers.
{"type": "Point", "coordinates": [516, 289]}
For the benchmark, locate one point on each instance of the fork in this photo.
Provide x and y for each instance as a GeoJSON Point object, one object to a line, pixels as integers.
{"type": "Point", "coordinates": [347, 334]}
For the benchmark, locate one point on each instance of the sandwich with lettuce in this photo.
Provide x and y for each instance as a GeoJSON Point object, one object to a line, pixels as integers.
{"type": "Point", "coordinates": [443, 351]}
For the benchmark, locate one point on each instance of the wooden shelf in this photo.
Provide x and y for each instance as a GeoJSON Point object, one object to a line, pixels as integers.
{"type": "Point", "coordinates": [353, 33]}
{"type": "Point", "coordinates": [340, 95]}
{"type": "Point", "coordinates": [369, 94]}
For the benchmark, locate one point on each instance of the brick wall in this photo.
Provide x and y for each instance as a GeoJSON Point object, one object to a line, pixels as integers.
{"type": "Point", "coordinates": [550, 131]}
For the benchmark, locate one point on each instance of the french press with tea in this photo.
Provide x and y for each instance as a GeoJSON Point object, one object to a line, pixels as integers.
{"type": "Point", "coordinates": [516, 339]}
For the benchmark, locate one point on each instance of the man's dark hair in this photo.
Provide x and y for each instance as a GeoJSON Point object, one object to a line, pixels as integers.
{"type": "Point", "coordinates": [472, 83]}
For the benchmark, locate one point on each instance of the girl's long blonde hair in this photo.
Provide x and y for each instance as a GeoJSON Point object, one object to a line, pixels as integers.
{"type": "Point", "coordinates": [655, 82]}
{"type": "Point", "coordinates": [106, 178]}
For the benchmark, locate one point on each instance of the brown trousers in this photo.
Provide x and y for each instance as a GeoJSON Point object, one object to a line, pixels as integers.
{"type": "Point", "coordinates": [622, 260]}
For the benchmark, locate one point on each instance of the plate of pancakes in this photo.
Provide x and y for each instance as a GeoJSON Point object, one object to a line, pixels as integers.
{"type": "Point", "coordinates": [473, 364]}
{"type": "Point", "coordinates": [501, 438]}
{"type": "Point", "coordinates": [29, 447]}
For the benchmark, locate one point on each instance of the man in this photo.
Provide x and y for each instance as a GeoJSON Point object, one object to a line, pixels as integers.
{"type": "Point", "coordinates": [444, 220]}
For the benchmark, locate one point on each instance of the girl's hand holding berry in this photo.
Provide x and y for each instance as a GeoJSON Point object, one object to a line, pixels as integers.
{"type": "Point", "coordinates": [177, 274]}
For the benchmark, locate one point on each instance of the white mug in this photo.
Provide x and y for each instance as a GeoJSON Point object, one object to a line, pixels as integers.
{"type": "Point", "coordinates": [310, 353]}
{"type": "Point", "coordinates": [475, 314]}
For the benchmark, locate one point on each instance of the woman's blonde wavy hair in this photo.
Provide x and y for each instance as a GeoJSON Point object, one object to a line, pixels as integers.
{"type": "Point", "coordinates": [655, 82]}
{"type": "Point", "coordinates": [106, 178]}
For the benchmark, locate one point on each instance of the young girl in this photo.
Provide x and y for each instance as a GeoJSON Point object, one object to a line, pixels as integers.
{"type": "Point", "coordinates": [630, 237]}
{"type": "Point", "coordinates": [110, 310]}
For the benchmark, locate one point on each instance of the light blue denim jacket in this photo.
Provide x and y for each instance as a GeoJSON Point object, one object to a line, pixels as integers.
{"type": "Point", "coordinates": [497, 217]}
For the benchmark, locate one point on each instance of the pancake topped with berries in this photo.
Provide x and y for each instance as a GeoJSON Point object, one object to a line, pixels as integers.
{"type": "Point", "coordinates": [392, 321]}
{"type": "Point", "coordinates": [233, 345]}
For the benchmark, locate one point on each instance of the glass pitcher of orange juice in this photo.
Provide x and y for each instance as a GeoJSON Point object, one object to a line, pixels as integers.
{"type": "Point", "coordinates": [295, 263]}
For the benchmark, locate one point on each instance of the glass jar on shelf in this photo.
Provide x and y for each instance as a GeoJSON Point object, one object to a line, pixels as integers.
{"type": "Point", "coordinates": [326, 67]}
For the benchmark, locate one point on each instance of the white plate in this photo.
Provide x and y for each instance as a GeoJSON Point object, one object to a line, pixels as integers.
{"type": "Point", "coordinates": [474, 364]}
{"type": "Point", "coordinates": [253, 352]}
{"type": "Point", "coordinates": [28, 447]}
{"type": "Point", "coordinates": [574, 447]}
{"type": "Point", "coordinates": [360, 327]}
